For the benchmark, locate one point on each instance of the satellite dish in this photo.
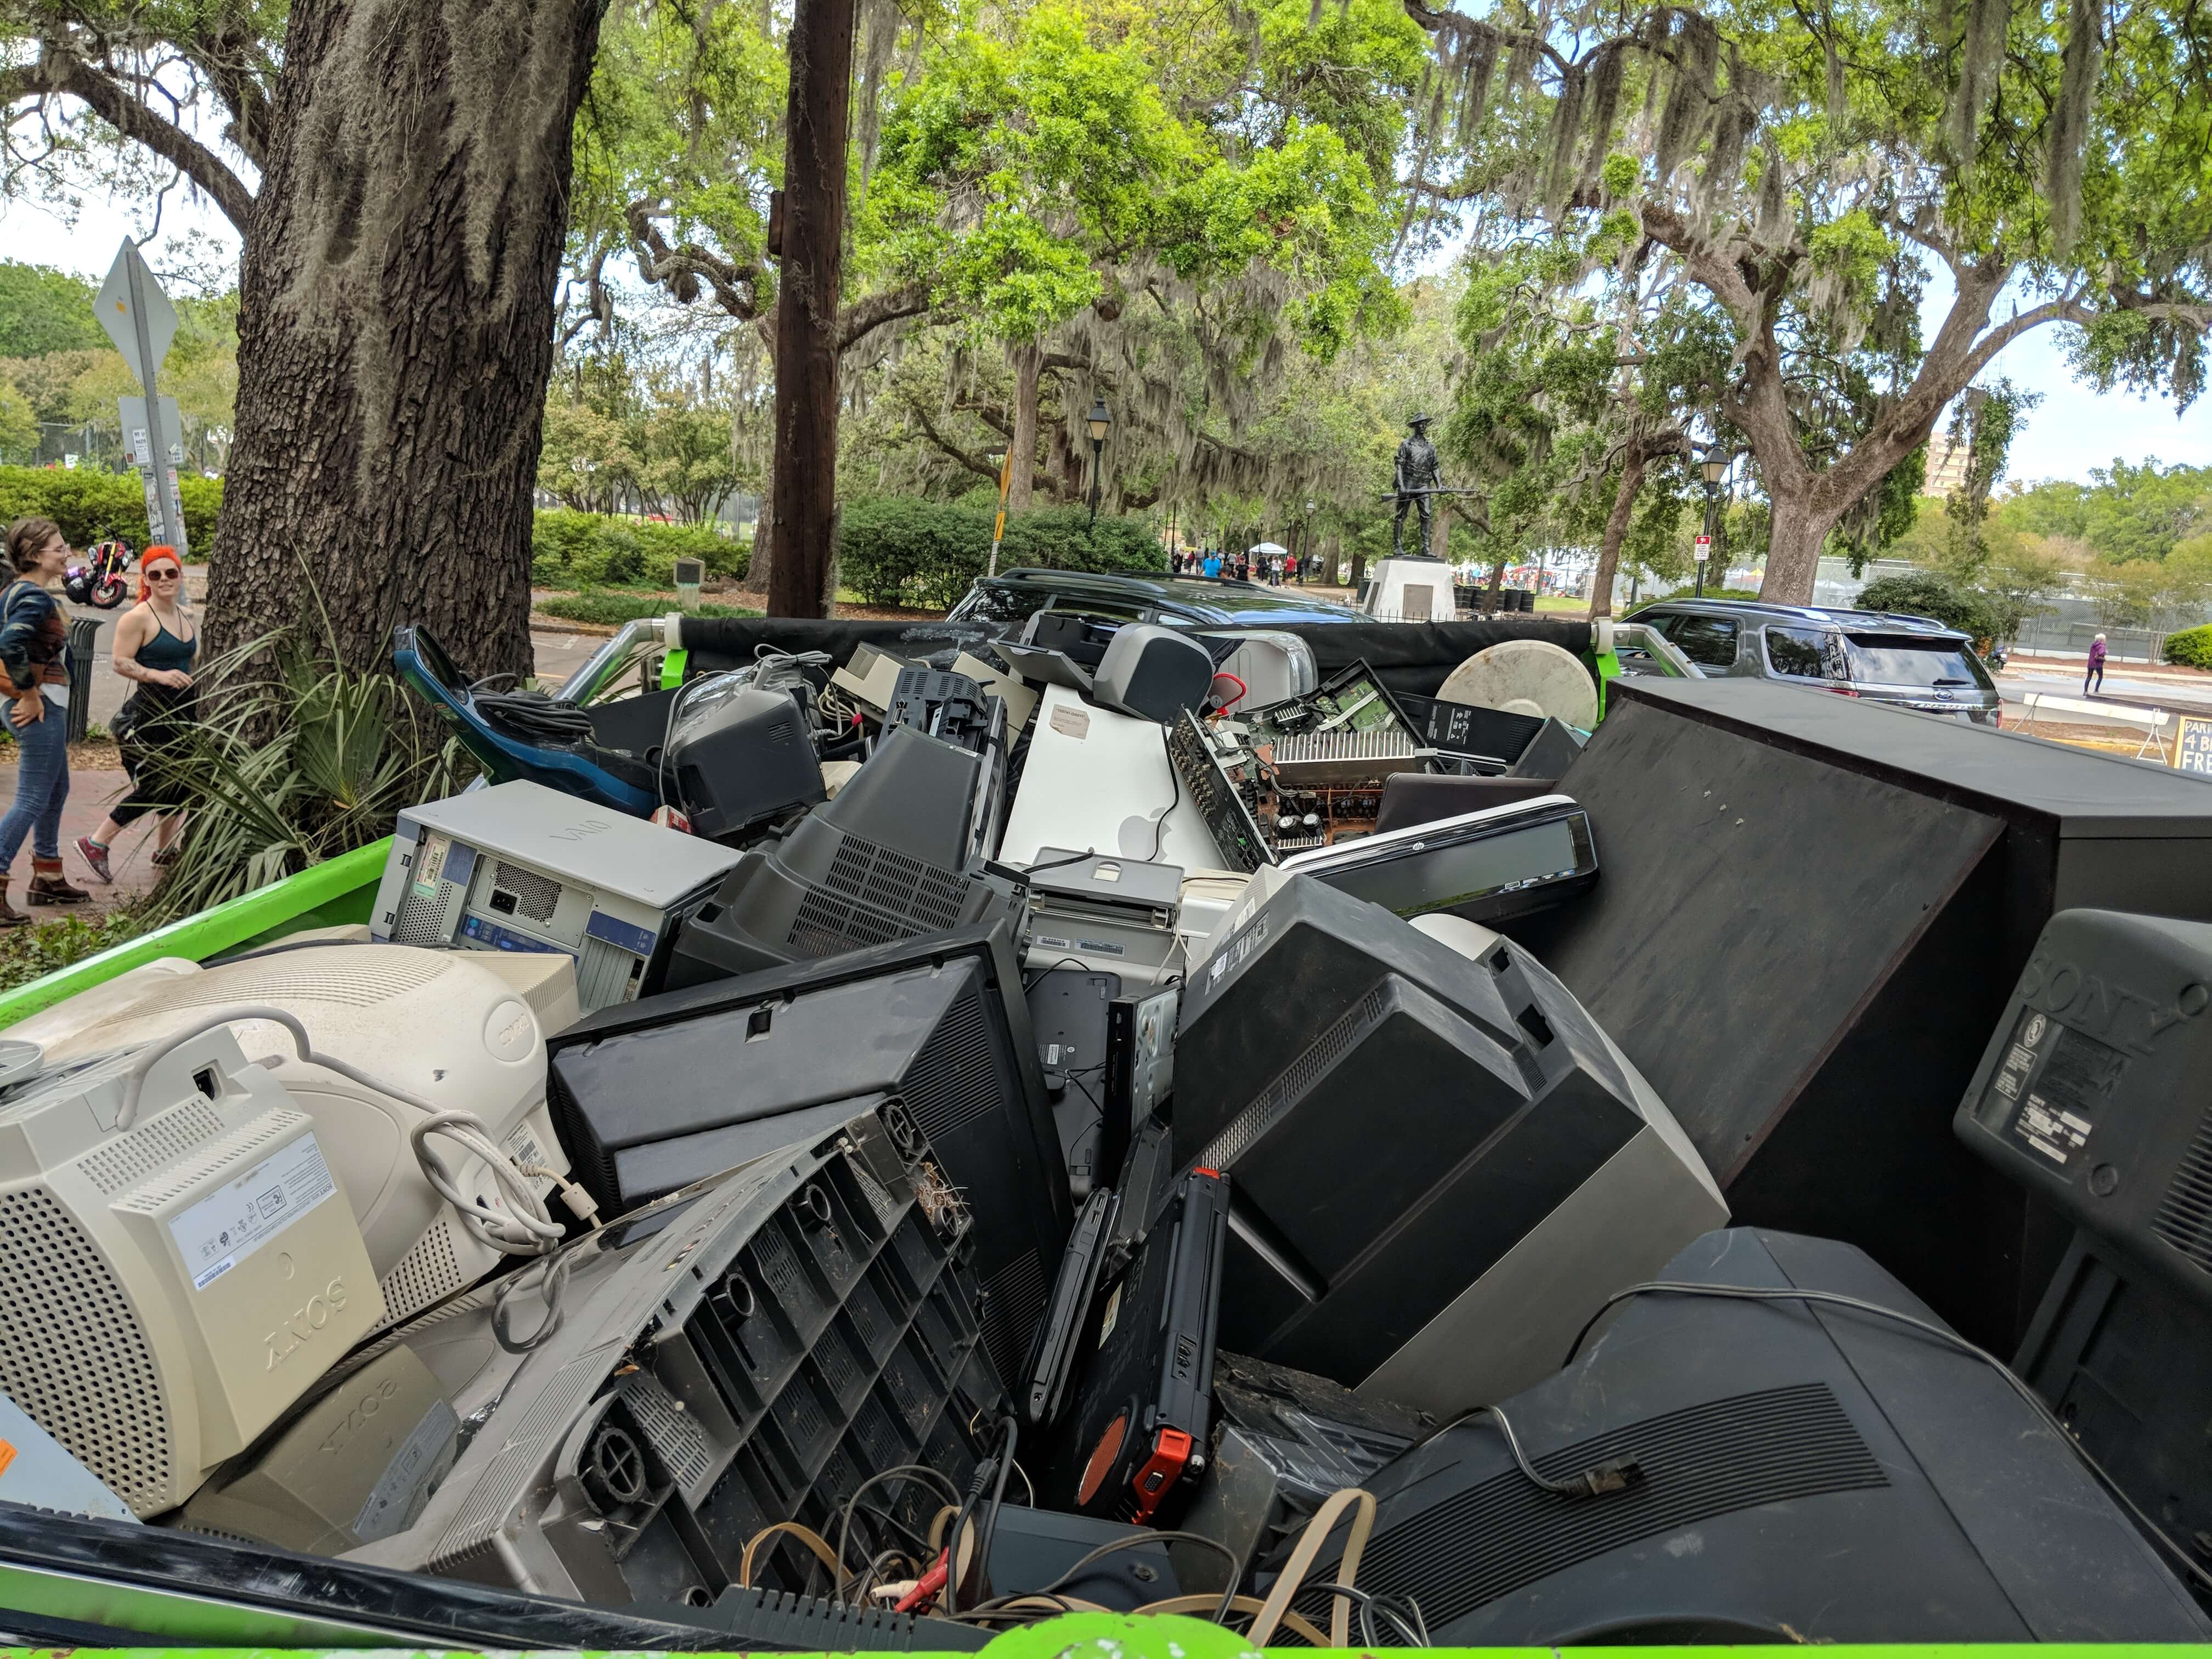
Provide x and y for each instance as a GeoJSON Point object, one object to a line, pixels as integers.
{"type": "Point", "coordinates": [1525, 676]}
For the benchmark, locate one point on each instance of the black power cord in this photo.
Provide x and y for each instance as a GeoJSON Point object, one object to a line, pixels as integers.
{"type": "Point", "coordinates": [532, 716]}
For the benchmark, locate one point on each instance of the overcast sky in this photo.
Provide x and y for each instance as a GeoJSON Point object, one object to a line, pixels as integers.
{"type": "Point", "coordinates": [2073, 430]}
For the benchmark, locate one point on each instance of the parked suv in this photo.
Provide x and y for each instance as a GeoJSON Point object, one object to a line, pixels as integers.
{"type": "Point", "coordinates": [1880, 655]}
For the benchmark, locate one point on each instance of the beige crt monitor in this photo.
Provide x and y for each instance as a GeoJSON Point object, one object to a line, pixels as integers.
{"type": "Point", "coordinates": [459, 1030]}
{"type": "Point", "coordinates": [178, 1262]}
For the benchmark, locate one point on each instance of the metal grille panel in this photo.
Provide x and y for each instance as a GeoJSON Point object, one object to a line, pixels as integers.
{"type": "Point", "coordinates": [2185, 1214]}
{"type": "Point", "coordinates": [74, 1355]}
{"type": "Point", "coordinates": [536, 895]}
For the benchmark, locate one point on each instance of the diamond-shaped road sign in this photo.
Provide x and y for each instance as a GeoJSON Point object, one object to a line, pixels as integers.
{"type": "Point", "coordinates": [135, 314]}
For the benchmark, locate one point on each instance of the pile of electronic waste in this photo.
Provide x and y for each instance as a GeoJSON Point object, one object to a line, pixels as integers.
{"type": "Point", "coordinates": [1040, 1139]}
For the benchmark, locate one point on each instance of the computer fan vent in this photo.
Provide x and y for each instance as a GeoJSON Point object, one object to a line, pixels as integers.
{"type": "Point", "coordinates": [427, 1272]}
{"type": "Point", "coordinates": [2184, 1215]}
{"type": "Point", "coordinates": [154, 1145]}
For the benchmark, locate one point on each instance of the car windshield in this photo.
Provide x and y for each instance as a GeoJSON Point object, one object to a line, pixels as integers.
{"type": "Point", "coordinates": [1887, 659]}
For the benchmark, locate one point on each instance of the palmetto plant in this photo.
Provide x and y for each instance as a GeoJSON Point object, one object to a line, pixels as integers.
{"type": "Point", "coordinates": [293, 756]}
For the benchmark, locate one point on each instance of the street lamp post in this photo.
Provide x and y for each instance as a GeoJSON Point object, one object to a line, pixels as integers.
{"type": "Point", "coordinates": [1716, 466]}
{"type": "Point", "coordinates": [1099, 420]}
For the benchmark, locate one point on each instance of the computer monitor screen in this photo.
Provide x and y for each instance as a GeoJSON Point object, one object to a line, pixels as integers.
{"type": "Point", "coordinates": [1419, 880]}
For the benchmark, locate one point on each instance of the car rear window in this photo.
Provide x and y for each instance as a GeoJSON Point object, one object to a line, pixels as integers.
{"type": "Point", "coordinates": [1888, 661]}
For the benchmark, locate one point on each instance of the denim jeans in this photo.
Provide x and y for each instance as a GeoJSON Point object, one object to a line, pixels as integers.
{"type": "Point", "coordinates": [41, 785]}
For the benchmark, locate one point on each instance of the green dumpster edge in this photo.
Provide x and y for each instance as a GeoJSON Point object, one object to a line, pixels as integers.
{"type": "Point", "coordinates": [328, 895]}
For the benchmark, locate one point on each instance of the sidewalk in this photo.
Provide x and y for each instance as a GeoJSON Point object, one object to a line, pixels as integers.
{"type": "Point", "coordinates": [92, 790]}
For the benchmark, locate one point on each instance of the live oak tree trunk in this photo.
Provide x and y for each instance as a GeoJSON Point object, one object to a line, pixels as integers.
{"type": "Point", "coordinates": [1796, 530]}
{"type": "Point", "coordinates": [806, 324]}
{"type": "Point", "coordinates": [1029, 364]}
{"type": "Point", "coordinates": [1616, 533]}
{"type": "Point", "coordinates": [396, 324]}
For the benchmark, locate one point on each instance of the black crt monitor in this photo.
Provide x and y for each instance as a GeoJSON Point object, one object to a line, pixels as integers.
{"type": "Point", "coordinates": [897, 854]}
{"type": "Point", "coordinates": [1766, 1471]}
{"type": "Point", "coordinates": [1485, 865]}
{"type": "Point", "coordinates": [2095, 1094]}
{"type": "Point", "coordinates": [737, 757]}
{"type": "Point", "coordinates": [650, 1094]}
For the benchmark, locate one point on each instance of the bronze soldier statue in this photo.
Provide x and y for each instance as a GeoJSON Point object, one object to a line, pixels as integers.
{"type": "Point", "coordinates": [1415, 478]}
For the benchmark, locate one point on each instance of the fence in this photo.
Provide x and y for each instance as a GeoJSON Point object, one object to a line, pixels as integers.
{"type": "Point", "coordinates": [2060, 636]}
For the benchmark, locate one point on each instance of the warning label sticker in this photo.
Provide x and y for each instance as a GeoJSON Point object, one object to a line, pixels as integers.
{"type": "Point", "coordinates": [231, 1224]}
{"type": "Point", "coordinates": [2050, 1085]}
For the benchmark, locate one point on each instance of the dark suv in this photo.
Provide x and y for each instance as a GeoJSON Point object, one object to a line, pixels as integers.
{"type": "Point", "coordinates": [1006, 601]}
{"type": "Point", "coordinates": [1879, 655]}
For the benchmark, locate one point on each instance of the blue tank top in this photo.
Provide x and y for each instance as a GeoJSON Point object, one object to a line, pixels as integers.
{"type": "Point", "coordinates": [165, 650]}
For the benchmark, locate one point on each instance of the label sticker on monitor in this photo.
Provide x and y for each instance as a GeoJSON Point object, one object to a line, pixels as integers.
{"type": "Point", "coordinates": [228, 1225]}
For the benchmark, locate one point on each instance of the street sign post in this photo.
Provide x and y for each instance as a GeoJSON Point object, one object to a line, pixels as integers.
{"type": "Point", "coordinates": [142, 322]}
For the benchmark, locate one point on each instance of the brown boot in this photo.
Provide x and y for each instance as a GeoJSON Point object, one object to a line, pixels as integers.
{"type": "Point", "coordinates": [48, 886]}
{"type": "Point", "coordinates": [9, 916]}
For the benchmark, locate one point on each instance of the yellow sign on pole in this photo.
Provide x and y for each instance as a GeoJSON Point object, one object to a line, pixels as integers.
{"type": "Point", "coordinates": [998, 530]}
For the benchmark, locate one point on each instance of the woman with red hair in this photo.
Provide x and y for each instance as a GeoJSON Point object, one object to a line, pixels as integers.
{"type": "Point", "coordinates": [156, 642]}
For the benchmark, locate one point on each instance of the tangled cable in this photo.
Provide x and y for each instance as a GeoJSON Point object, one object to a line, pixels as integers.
{"type": "Point", "coordinates": [532, 716]}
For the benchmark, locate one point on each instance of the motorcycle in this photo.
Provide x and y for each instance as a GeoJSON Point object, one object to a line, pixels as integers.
{"type": "Point", "coordinates": [99, 581]}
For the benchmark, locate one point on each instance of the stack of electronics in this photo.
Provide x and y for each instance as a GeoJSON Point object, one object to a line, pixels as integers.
{"type": "Point", "coordinates": [1035, 1166]}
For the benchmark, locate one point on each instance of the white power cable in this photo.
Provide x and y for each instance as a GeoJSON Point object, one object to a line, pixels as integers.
{"type": "Point", "coordinates": [530, 1230]}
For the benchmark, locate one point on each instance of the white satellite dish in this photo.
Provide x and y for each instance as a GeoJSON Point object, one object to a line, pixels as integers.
{"type": "Point", "coordinates": [1526, 676]}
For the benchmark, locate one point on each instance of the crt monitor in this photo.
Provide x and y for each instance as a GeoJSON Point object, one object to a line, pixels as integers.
{"type": "Point", "coordinates": [1764, 1471]}
{"type": "Point", "coordinates": [657, 1092]}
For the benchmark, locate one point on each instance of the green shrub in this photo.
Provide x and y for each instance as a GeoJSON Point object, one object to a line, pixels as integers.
{"type": "Point", "coordinates": [612, 609]}
{"type": "Point", "coordinates": [896, 549]}
{"type": "Point", "coordinates": [1924, 594]}
{"type": "Point", "coordinates": [588, 549]}
{"type": "Point", "coordinates": [91, 505]}
{"type": "Point", "coordinates": [47, 947]}
{"type": "Point", "coordinates": [2192, 648]}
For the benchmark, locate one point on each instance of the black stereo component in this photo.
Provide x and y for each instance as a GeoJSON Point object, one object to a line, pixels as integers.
{"type": "Point", "coordinates": [1440, 1167]}
{"type": "Point", "coordinates": [1236, 832]}
{"type": "Point", "coordinates": [894, 855]}
{"type": "Point", "coordinates": [653, 1093]}
{"type": "Point", "coordinates": [1766, 1471]}
{"type": "Point", "coordinates": [1069, 1011]}
{"type": "Point", "coordinates": [744, 1353]}
{"type": "Point", "coordinates": [1136, 1439]}
{"type": "Point", "coordinates": [737, 757]}
{"type": "Point", "coordinates": [2093, 1092]}
{"type": "Point", "coordinates": [1139, 1064]}
{"type": "Point", "coordinates": [1284, 1443]}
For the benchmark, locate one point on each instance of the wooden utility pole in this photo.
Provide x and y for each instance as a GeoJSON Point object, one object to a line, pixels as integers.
{"type": "Point", "coordinates": [805, 483]}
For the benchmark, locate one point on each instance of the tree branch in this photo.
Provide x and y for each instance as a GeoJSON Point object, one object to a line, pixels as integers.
{"type": "Point", "coordinates": [870, 313]}
{"type": "Point", "coordinates": [62, 71]}
{"type": "Point", "coordinates": [680, 270]}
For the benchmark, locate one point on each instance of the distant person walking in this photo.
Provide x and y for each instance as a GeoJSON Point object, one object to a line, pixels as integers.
{"type": "Point", "coordinates": [155, 644]}
{"type": "Point", "coordinates": [2096, 675]}
{"type": "Point", "coordinates": [1214, 564]}
{"type": "Point", "coordinates": [34, 654]}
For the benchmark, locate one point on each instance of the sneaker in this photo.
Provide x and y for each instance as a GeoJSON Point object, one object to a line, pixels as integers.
{"type": "Point", "coordinates": [95, 859]}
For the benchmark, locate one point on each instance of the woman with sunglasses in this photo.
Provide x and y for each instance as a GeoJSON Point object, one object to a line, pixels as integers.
{"type": "Point", "coordinates": [156, 642]}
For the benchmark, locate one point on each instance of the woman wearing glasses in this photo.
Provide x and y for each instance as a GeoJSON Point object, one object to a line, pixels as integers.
{"type": "Point", "coordinates": [155, 645]}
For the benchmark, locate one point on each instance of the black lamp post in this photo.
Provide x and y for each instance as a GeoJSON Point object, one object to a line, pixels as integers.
{"type": "Point", "coordinates": [1716, 466]}
{"type": "Point", "coordinates": [1099, 421]}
